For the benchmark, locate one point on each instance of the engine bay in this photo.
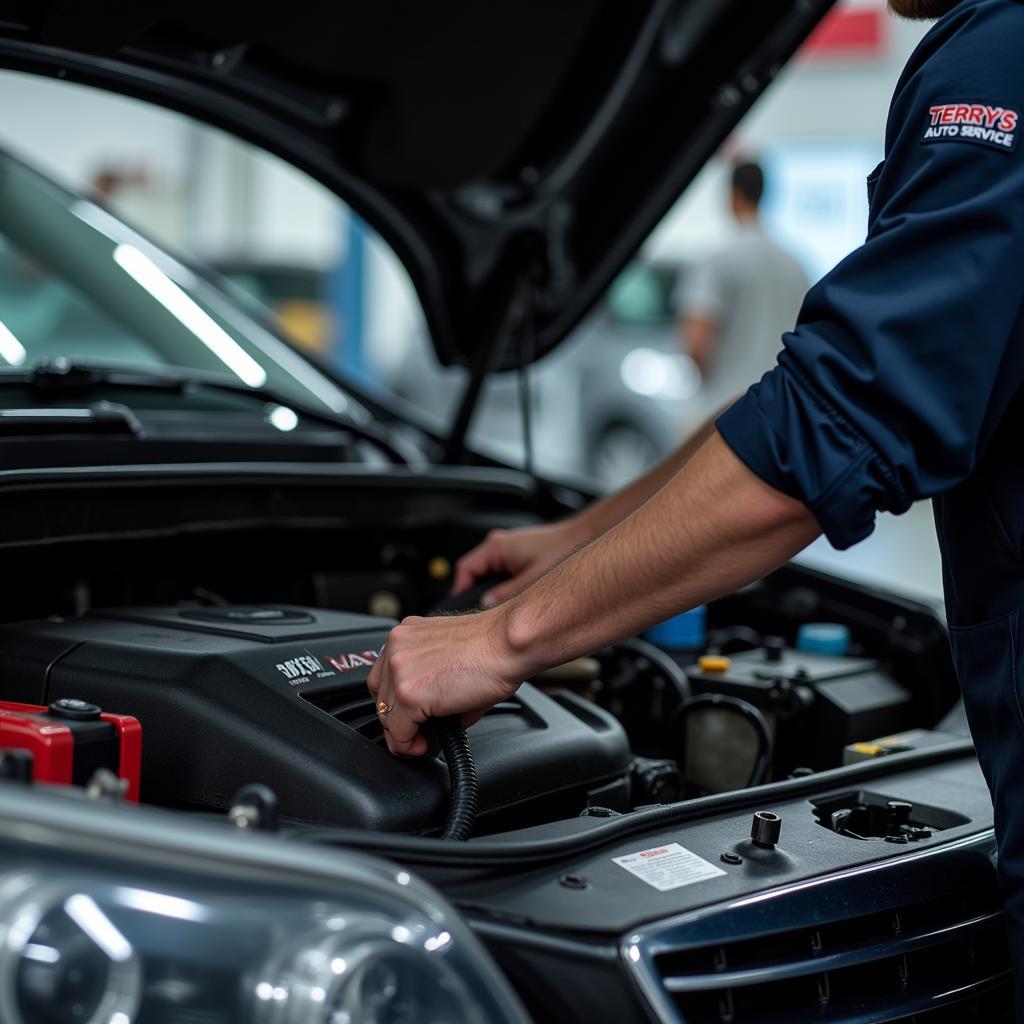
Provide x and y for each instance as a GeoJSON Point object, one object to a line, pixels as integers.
{"type": "Point", "coordinates": [242, 677]}
{"type": "Point", "coordinates": [230, 696]}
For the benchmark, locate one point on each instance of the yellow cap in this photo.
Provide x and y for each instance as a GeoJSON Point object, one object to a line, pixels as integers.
{"type": "Point", "coordinates": [439, 568]}
{"type": "Point", "coordinates": [714, 663]}
{"type": "Point", "coordinates": [871, 749]}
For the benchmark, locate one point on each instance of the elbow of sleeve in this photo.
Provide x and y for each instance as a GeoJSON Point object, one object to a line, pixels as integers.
{"type": "Point", "coordinates": [787, 434]}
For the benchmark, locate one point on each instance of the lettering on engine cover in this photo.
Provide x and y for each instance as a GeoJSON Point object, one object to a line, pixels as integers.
{"type": "Point", "coordinates": [299, 669]}
{"type": "Point", "coordinates": [347, 662]}
{"type": "Point", "coordinates": [304, 665]}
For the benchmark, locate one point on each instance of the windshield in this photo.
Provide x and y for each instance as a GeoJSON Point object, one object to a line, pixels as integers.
{"type": "Point", "coordinates": [76, 282]}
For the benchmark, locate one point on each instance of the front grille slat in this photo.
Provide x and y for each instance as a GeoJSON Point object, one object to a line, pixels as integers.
{"type": "Point", "coordinates": [818, 1000]}
{"type": "Point", "coordinates": [942, 959]}
{"type": "Point", "coordinates": [895, 950]}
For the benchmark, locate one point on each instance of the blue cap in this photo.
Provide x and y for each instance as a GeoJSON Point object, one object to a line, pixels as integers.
{"type": "Point", "coordinates": [823, 638]}
{"type": "Point", "coordinates": [686, 632]}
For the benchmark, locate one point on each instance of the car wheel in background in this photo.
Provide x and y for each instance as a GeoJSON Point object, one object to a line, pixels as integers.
{"type": "Point", "coordinates": [621, 453]}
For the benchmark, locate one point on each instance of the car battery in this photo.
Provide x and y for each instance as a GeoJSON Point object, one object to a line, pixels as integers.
{"type": "Point", "coordinates": [71, 739]}
{"type": "Point", "coordinates": [815, 705]}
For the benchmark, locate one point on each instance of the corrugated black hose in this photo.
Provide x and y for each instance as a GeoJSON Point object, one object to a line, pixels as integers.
{"type": "Point", "coordinates": [464, 797]}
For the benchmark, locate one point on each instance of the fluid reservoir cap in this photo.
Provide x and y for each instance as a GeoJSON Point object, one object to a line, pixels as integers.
{"type": "Point", "coordinates": [686, 632]}
{"type": "Point", "coordinates": [765, 829]}
{"type": "Point", "coordinates": [75, 710]}
{"type": "Point", "coordinates": [714, 664]}
{"type": "Point", "coordinates": [823, 638]}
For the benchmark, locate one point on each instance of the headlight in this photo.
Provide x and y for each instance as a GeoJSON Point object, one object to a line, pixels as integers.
{"type": "Point", "coordinates": [93, 931]}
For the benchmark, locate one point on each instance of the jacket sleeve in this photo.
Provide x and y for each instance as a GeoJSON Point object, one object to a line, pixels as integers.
{"type": "Point", "coordinates": [907, 354]}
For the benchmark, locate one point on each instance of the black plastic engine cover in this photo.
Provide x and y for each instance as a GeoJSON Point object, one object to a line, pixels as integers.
{"type": "Point", "coordinates": [229, 696]}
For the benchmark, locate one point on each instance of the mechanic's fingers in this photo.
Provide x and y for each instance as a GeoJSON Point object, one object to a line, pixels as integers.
{"type": "Point", "coordinates": [382, 690]}
{"type": "Point", "coordinates": [504, 590]}
{"type": "Point", "coordinates": [480, 561]}
{"type": "Point", "coordinates": [377, 673]}
{"type": "Point", "coordinates": [403, 732]}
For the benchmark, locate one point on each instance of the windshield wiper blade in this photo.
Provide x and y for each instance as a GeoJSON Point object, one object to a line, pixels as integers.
{"type": "Point", "coordinates": [62, 377]}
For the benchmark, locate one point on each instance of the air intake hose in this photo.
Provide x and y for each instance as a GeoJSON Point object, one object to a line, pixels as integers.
{"type": "Point", "coordinates": [464, 791]}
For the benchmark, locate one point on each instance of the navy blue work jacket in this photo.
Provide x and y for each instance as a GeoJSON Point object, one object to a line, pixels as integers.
{"type": "Point", "coordinates": [902, 379]}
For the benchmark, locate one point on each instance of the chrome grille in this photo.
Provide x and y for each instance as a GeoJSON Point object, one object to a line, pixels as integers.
{"type": "Point", "coordinates": [935, 957]}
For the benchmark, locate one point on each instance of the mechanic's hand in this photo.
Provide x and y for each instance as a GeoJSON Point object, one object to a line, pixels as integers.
{"type": "Point", "coordinates": [522, 555]}
{"type": "Point", "coordinates": [445, 665]}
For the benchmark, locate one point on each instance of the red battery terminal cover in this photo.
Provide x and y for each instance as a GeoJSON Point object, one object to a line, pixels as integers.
{"type": "Point", "coordinates": [68, 742]}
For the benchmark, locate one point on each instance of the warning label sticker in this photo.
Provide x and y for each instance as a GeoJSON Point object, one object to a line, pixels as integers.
{"type": "Point", "coordinates": [668, 867]}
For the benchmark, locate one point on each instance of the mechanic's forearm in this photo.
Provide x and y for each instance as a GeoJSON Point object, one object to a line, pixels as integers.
{"type": "Point", "coordinates": [713, 527]}
{"type": "Point", "coordinates": [604, 514]}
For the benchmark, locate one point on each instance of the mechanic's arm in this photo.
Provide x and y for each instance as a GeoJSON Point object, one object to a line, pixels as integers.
{"type": "Point", "coordinates": [713, 527]}
{"type": "Point", "coordinates": [904, 362]}
{"type": "Point", "coordinates": [525, 553]}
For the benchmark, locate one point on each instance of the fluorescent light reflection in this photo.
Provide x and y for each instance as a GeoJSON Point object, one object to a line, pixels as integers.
{"type": "Point", "coordinates": [186, 311]}
{"type": "Point", "coordinates": [162, 904]}
{"type": "Point", "coordinates": [436, 942]}
{"type": "Point", "coordinates": [84, 911]}
{"type": "Point", "coordinates": [101, 221]}
{"type": "Point", "coordinates": [283, 418]}
{"type": "Point", "coordinates": [41, 954]}
{"type": "Point", "coordinates": [10, 348]}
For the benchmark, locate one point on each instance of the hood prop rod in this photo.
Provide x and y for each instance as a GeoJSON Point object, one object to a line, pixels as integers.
{"type": "Point", "coordinates": [519, 331]}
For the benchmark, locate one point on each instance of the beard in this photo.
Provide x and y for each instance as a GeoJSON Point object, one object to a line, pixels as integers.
{"type": "Point", "coordinates": [921, 10]}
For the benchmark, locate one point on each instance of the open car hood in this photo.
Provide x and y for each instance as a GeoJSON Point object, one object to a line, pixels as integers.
{"type": "Point", "coordinates": [514, 153]}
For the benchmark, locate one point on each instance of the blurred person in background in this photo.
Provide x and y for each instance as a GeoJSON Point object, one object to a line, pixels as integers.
{"type": "Point", "coordinates": [737, 305]}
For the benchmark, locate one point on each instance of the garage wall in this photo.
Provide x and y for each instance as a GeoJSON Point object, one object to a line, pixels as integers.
{"type": "Point", "coordinates": [832, 109]}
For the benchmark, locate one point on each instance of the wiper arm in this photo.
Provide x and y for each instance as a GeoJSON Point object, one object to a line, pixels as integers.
{"type": "Point", "coordinates": [63, 377]}
{"type": "Point", "coordinates": [98, 418]}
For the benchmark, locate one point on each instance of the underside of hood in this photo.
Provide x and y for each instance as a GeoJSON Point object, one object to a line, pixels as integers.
{"type": "Point", "coordinates": [510, 152]}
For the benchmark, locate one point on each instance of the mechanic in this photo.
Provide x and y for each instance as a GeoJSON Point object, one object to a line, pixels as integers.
{"type": "Point", "coordinates": [902, 380]}
{"type": "Point", "coordinates": [736, 305]}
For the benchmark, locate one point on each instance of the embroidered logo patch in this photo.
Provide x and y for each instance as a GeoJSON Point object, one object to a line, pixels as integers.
{"type": "Point", "coordinates": [973, 122]}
